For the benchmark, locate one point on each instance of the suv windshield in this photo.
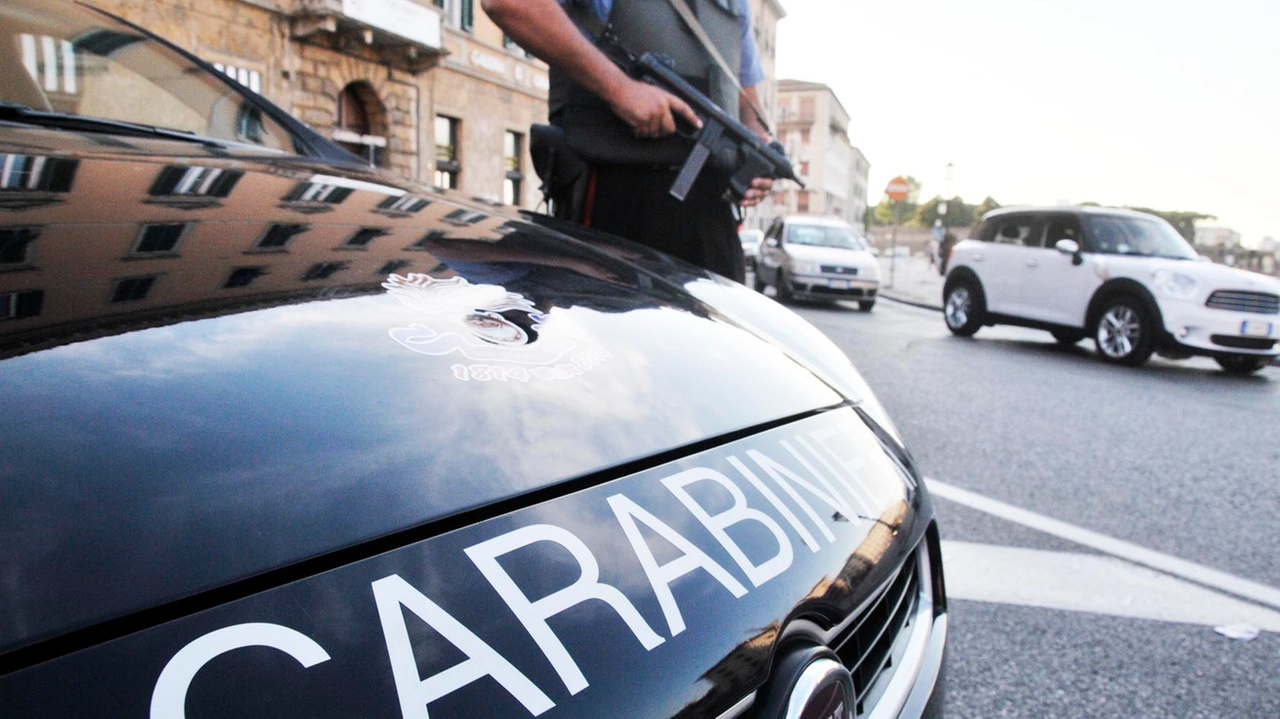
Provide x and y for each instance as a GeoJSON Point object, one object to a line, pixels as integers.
{"type": "Point", "coordinates": [1114, 235]}
{"type": "Point", "coordinates": [76, 62]}
{"type": "Point", "coordinates": [824, 236]}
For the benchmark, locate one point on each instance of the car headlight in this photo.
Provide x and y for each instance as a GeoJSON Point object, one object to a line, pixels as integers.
{"type": "Point", "coordinates": [805, 268]}
{"type": "Point", "coordinates": [1175, 284]}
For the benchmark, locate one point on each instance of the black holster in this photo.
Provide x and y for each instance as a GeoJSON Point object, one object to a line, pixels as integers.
{"type": "Point", "coordinates": [563, 172]}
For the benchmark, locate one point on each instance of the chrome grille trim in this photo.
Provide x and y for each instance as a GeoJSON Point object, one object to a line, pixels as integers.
{"type": "Point", "coordinates": [912, 647]}
{"type": "Point", "coordinates": [1263, 303]}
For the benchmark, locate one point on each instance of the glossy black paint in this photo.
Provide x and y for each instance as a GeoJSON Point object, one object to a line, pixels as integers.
{"type": "Point", "coordinates": [251, 404]}
{"type": "Point", "coordinates": [723, 650]}
{"type": "Point", "coordinates": [273, 422]}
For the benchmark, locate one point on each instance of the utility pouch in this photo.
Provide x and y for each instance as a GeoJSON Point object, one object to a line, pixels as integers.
{"type": "Point", "coordinates": [600, 137]}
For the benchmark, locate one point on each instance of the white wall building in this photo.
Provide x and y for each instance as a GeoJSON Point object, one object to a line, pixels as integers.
{"type": "Point", "coordinates": [814, 127]}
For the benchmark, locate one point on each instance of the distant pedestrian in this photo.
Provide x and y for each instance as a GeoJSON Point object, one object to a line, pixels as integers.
{"type": "Point", "coordinates": [949, 241]}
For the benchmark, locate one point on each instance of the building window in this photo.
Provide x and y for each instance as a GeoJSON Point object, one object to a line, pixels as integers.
{"type": "Point", "coordinates": [36, 173]}
{"type": "Point", "coordinates": [18, 305]}
{"type": "Point", "coordinates": [251, 79]}
{"type": "Point", "coordinates": [364, 236]}
{"type": "Point", "coordinates": [180, 180]}
{"type": "Point", "coordinates": [428, 240]}
{"type": "Point", "coordinates": [513, 152]}
{"type": "Point", "coordinates": [466, 14]}
{"type": "Point", "coordinates": [318, 192]}
{"type": "Point", "coordinates": [404, 203]}
{"type": "Point", "coordinates": [447, 165]}
{"type": "Point", "coordinates": [323, 270]}
{"type": "Point", "coordinates": [244, 276]}
{"type": "Point", "coordinates": [463, 216]}
{"type": "Point", "coordinates": [802, 201]}
{"type": "Point", "coordinates": [393, 266]}
{"type": "Point", "coordinates": [15, 245]}
{"type": "Point", "coordinates": [360, 128]}
{"type": "Point", "coordinates": [132, 289]}
{"type": "Point", "coordinates": [159, 239]}
{"type": "Point", "coordinates": [51, 62]}
{"type": "Point", "coordinates": [278, 237]}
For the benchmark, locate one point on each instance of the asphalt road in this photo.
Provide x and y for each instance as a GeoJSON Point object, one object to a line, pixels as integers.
{"type": "Point", "coordinates": [1099, 522]}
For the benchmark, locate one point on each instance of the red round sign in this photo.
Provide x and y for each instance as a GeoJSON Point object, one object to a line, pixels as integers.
{"type": "Point", "coordinates": [897, 188]}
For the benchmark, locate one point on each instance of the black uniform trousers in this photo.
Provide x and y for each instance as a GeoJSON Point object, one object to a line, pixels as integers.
{"type": "Point", "coordinates": [636, 203]}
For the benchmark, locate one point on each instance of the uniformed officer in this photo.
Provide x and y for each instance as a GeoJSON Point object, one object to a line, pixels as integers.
{"type": "Point", "coordinates": [627, 125]}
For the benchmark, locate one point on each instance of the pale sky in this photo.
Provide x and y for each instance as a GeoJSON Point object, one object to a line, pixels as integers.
{"type": "Point", "coordinates": [1171, 104]}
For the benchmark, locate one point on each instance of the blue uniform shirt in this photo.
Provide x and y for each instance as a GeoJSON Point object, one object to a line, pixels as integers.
{"type": "Point", "coordinates": [751, 73]}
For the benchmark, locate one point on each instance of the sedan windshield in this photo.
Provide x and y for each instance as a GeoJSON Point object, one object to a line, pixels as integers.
{"type": "Point", "coordinates": [824, 236]}
{"type": "Point", "coordinates": [72, 62]}
{"type": "Point", "coordinates": [1114, 235]}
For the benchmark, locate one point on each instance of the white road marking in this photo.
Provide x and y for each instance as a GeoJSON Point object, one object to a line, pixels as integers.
{"type": "Point", "coordinates": [1197, 573]}
{"type": "Point", "coordinates": [1089, 583]}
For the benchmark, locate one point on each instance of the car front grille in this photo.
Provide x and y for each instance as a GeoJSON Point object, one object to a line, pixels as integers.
{"type": "Point", "coordinates": [1263, 303]}
{"type": "Point", "coordinates": [833, 270]}
{"type": "Point", "coordinates": [869, 646]}
{"type": "Point", "coordinates": [1242, 343]}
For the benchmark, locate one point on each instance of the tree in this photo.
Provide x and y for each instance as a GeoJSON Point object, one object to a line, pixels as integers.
{"type": "Point", "coordinates": [958, 213]}
{"type": "Point", "coordinates": [984, 207]}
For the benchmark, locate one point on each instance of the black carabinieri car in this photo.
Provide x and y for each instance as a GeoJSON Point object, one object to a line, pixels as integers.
{"type": "Point", "coordinates": [287, 437]}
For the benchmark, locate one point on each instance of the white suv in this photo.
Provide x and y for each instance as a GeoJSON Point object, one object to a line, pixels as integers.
{"type": "Point", "coordinates": [1128, 279]}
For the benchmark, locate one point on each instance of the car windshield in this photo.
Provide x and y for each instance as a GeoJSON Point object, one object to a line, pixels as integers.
{"type": "Point", "coordinates": [750, 237]}
{"type": "Point", "coordinates": [824, 236]}
{"type": "Point", "coordinates": [71, 64]}
{"type": "Point", "coordinates": [1114, 235]}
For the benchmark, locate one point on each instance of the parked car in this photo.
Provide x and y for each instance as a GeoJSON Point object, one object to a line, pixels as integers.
{"type": "Point", "coordinates": [287, 436]}
{"type": "Point", "coordinates": [750, 239]}
{"type": "Point", "coordinates": [1125, 278]}
{"type": "Point", "coordinates": [809, 257]}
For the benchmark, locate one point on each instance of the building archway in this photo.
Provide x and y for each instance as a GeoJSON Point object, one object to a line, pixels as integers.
{"type": "Point", "coordinates": [362, 125]}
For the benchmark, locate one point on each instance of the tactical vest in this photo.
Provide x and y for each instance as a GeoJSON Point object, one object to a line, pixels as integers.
{"type": "Point", "coordinates": [649, 26]}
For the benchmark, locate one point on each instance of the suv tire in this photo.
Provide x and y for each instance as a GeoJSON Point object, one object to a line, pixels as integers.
{"type": "Point", "coordinates": [866, 305]}
{"type": "Point", "coordinates": [1067, 338]}
{"type": "Point", "coordinates": [1124, 331]}
{"type": "Point", "coordinates": [1242, 364]}
{"type": "Point", "coordinates": [963, 307]}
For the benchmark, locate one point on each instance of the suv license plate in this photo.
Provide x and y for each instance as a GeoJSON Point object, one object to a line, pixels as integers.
{"type": "Point", "coordinates": [838, 284]}
{"type": "Point", "coordinates": [1256, 329]}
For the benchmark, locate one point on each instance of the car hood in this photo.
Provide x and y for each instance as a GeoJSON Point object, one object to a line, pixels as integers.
{"type": "Point", "coordinates": [832, 255]}
{"type": "Point", "coordinates": [1211, 276]}
{"type": "Point", "coordinates": [316, 360]}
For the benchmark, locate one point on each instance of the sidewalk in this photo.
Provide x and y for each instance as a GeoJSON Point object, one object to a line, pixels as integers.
{"type": "Point", "coordinates": [913, 281]}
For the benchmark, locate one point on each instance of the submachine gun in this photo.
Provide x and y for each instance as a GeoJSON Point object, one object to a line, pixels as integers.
{"type": "Point", "coordinates": [734, 150]}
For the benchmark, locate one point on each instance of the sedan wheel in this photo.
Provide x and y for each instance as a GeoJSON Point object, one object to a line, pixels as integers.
{"type": "Point", "coordinates": [1123, 332]}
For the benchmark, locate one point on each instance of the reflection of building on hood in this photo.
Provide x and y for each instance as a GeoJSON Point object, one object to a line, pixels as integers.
{"type": "Point", "coordinates": [481, 322]}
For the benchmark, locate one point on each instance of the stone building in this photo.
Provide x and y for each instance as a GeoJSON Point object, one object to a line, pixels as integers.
{"type": "Point", "coordinates": [432, 91]}
{"type": "Point", "coordinates": [814, 127]}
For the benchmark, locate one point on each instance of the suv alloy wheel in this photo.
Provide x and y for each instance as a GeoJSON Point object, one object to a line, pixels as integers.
{"type": "Point", "coordinates": [1123, 332]}
{"type": "Point", "coordinates": [963, 307]}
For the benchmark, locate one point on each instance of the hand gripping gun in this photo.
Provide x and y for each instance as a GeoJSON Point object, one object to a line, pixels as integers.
{"type": "Point", "coordinates": [733, 149]}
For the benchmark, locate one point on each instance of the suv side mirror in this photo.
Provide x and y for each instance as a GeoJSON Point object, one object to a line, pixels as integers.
{"type": "Point", "coordinates": [771, 242]}
{"type": "Point", "coordinates": [1069, 247]}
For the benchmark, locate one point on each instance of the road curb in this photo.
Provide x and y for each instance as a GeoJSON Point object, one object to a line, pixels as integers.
{"type": "Point", "coordinates": [913, 303]}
